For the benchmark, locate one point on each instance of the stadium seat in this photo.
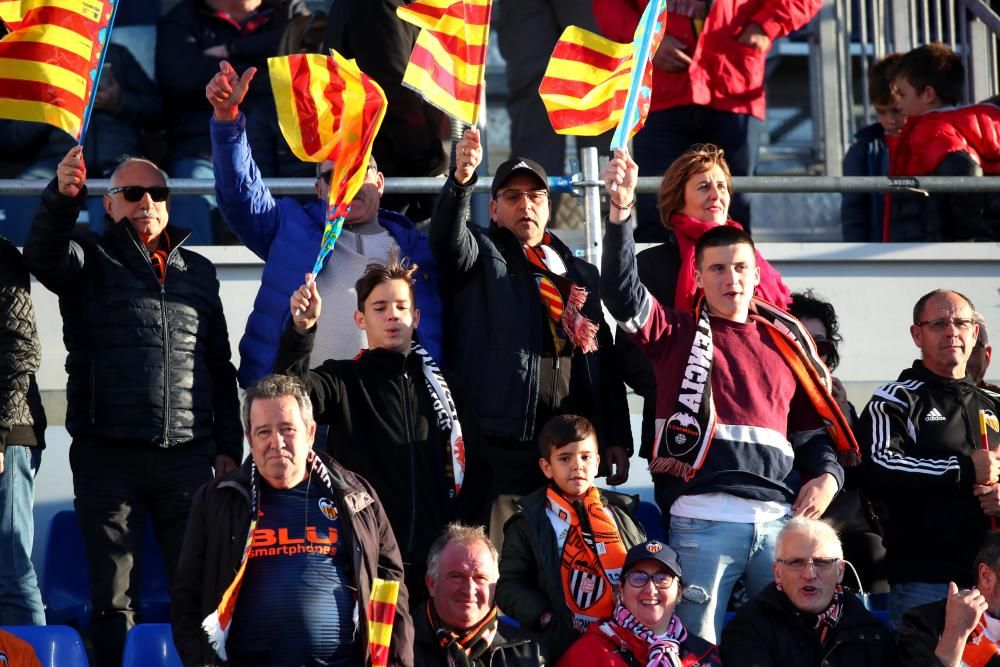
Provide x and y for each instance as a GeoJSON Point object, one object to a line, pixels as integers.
{"type": "Point", "coordinates": [55, 645]}
{"type": "Point", "coordinates": [66, 584]}
{"type": "Point", "coordinates": [649, 515]}
{"type": "Point", "coordinates": [150, 645]}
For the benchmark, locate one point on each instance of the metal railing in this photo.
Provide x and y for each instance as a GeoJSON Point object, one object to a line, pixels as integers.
{"type": "Point", "coordinates": [589, 187]}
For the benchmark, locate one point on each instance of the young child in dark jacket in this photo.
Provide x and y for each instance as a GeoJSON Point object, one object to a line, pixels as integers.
{"type": "Point", "coordinates": [564, 548]}
{"type": "Point", "coordinates": [862, 213]}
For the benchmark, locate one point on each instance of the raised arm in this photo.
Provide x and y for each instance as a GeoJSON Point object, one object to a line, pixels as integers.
{"type": "Point", "coordinates": [454, 247]}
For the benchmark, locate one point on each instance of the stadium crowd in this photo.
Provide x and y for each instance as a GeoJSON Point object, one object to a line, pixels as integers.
{"type": "Point", "coordinates": [428, 415]}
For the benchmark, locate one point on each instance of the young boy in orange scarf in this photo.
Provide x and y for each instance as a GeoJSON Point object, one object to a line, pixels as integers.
{"type": "Point", "coordinates": [564, 548]}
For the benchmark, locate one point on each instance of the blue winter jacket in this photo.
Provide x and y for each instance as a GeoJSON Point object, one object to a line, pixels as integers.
{"type": "Point", "coordinates": [286, 235]}
{"type": "Point", "coordinates": [861, 213]}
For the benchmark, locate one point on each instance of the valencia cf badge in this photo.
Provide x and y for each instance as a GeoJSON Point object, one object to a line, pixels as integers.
{"type": "Point", "coordinates": [328, 508]}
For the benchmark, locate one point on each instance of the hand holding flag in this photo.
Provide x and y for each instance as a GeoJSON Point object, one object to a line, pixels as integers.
{"type": "Point", "coordinates": [468, 155]}
{"type": "Point", "coordinates": [71, 173]}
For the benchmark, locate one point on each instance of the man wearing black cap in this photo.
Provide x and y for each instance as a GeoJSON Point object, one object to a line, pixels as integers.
{"type": "Point", "coordinates": [526, 332]}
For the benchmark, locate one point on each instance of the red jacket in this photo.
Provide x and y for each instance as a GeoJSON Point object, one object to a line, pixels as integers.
{"type": "Point", "coordinates": [596, 648]}
{"type": "Point", "coordinates": [927, 139]}
{"type": "Point", "coordinates": [724, 74]}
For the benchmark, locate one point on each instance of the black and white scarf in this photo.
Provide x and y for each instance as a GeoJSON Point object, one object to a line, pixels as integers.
{"type": "Point", "coordinates": [447, 416]}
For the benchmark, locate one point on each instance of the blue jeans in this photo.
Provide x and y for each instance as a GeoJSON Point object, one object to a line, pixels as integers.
{"type": "Point", "coordinates": [670, 132]}
{"type": "Point", "coordinates": [912, 594]}
{"type": "Point", "coordinates": [193, 212]}
{"type": "Point", "coordinates": [20, 599]}
{"type": "Point", "coordinates": [714, 555]}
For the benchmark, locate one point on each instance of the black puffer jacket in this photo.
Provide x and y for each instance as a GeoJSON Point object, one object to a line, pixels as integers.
{"type": "Point", "coordinates": [22, 420]}
{"type": "Point", "coordinates": [530, 582]}
{"type": "Point", "coordinates": [147, 364]}
{"type": "Point", "coordinates": [769, 632]}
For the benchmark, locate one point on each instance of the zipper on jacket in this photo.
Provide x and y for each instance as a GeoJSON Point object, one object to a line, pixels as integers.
{"type": "Point", "coordinates": [93, 397]}
{"type": "Point", "coordinates": [555, 380]}
{"type": "Point", "coordinates": [410, 441]}
{"type": "Point", "coordinates": [166, 360]}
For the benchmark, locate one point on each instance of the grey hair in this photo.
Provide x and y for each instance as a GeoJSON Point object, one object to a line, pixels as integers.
{"type": "Point", "coordinates": [814, 528]}
{"type": "Point", "coordinates": [462, 534]}
{"type": "Point", "coordinates": [278, 386]}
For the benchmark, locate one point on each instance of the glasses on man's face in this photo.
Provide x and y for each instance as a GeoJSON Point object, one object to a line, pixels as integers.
{"type": "Point", "coordinates": [638, 579]}
{"type": "Point", "coordinates": [799, 564]}
{"type": "Point", "coordinates": [937, 326]}
{"type": "Point", "coordinates": [513, 197]}
{"type": "Point", "coordinates": [134, 193]}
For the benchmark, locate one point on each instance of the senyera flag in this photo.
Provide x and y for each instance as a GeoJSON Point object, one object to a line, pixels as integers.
{"type": "Point", "coordinates": [381, 615]}
{"type": "Point", "coordinates": [328, 109]}
{"type": "Point", "coordinates": [51, 60]}
{"type": "Point", "coordinates": [593, 84]}
{"type": "Point", "coordinates": [448, 63]}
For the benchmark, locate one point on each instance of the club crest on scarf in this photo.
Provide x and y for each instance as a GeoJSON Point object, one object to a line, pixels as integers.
{"type": "Point", "coordinates": [328, 508]}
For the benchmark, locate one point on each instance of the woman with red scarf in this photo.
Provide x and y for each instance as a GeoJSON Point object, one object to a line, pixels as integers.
{"type": "Point", "coordinates": [694, 197]}
{"type": "Point", "coordinates": [643, 629]}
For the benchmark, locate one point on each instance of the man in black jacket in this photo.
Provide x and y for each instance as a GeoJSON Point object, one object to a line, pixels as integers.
{"type": "Point", "coordinates": [22, 438]}
{"type": "Point", "coordinates": [460, 624]}
{"type": "Point", "coordinates": [282, 556]}
{"type": "Point", "coordinates": [930, 443]}
{"type": "Point", "coordinates": [805, 618]}
{"type": "Point", "coordinates": [962, 629]}
{"type": "Point", "coordinates": [151, 394]}
{"type": "Point", "coordinates": [527, 335]}
{"type": "Point", "coordinates": [394, 418]}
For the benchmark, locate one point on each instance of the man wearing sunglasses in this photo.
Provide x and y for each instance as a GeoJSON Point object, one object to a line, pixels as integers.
{"type": "Point", "coordinates": [151, 393]}
{"type": "Point", "coordinates": [530, 337]}
{"type": "Point", "coordinates": [286, 234]}
{"type": "Point", "coordinates": [805, 617]}
{"type": "Point", "coordinates": [930, 444]}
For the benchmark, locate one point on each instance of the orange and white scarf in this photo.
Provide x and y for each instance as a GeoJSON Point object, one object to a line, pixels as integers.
{"type": "Point", "coordinates": [592, 554]}
{"type": "Point", "coordinates": [980, 650]}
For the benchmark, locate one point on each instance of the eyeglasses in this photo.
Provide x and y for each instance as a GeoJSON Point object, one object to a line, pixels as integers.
{"type": "Point", "coordinates": [638, 579]}
{"type": "Point", "coordinates": [134, 193]}
{"type": "Point", "coordinates": [937, 326]}
{"type": "Point", "coordinates": [513, 197]}
{"type": "Point", "coordinates": [799, 564]}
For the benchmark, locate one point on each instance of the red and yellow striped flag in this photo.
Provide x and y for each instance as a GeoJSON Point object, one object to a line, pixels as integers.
{"type": "Point", "coordinates": [50, 59]}
{"type": "Point", "coordinates": [328, 109]}
{"type": "Point", "coordinates": [448, 62]}
{"type": "Point", "coordinates": [586, 83]}
{"type": "Point", "coordinates": [381, 614]}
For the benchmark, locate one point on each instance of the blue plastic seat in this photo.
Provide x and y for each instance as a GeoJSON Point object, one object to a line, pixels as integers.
{"type": "Point", "coordinates": [66, 584]}
{"type": "Point", "coordinates": [55, 645]}
{"type": "Point", "coordinates": [649, 515]}
{"type": "Point", "coordinates": [150, 645]}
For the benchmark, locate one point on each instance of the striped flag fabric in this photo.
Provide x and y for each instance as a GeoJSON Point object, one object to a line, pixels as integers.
{"type": "Point", "coordinates": [381, 614]}
{"type": "Point", "coordinates": [448, 63]}
{"type": "Point", "coordinates": [586, 83]}
{"type": "Point", "coordinates": [51, 59]}
{"type": "Point", "coordinates": [593, 84]}
{"type": "Point", "coordinates": [328, 109]}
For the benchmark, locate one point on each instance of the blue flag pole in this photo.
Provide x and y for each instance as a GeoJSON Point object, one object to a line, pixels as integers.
{"type": "Point", "coordinates": [104, 38]}
{"type": "Point", "coordinates": [642, 44]}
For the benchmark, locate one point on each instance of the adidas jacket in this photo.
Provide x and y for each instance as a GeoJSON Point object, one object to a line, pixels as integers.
{"type": "Point", "coordinates": [917, 436]}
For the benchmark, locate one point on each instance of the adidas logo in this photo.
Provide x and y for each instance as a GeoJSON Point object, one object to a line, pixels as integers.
{"type": "Point", "coordinates": [934, 416]}
{"type": "Point", "coordinates": [520, 165]}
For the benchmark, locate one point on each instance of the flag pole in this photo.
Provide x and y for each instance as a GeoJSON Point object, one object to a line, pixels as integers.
{"type": "Point", "coordinates": [100, 70]}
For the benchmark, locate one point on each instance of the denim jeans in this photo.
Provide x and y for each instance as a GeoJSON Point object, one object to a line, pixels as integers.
{"type": "Point", "coordinates": [20, 599]}
{"type": "Point", "coordinates": [912, 594]}
{"type": "Point", "coordinates": [714, 555]}
{"type": "Point", "coordinates": [193, 212]}
{"type": "Point", "coordinates": [115, 486]}
{"type": "Point", "coordinates": [670, 132]}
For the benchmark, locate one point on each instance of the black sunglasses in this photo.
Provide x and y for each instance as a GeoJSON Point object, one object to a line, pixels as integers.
{"type": "Point", "coordinates": [134, 193]}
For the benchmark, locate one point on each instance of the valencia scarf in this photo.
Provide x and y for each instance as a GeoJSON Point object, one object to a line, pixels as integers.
{"type": "Point", "coordinates": [463, 649]}
{"type": "Point", "coordinates": [447, 416]}
{"type": "Point", "coordinates": [688, 230]}
{"type": "Point", "coordinates": [979, 649]}
{"type": "Point", "coordinates": [592, 555]}
{"type": "Point", "coordinates": [827, 619]}
{"type": "Point", "coordinates": [662, 650]}
{"type": "Point", "coordinates": [683, 440]}
{"type": "Point", "coordinates": [563, 300]}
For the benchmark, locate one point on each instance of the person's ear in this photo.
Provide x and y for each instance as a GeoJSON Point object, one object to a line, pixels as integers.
{"type": "Point", "coordinates": [697, 279]}
{"type": "Point", "coordinates": [359, 320]}
{"type": "Point", "coordinates": [416, 318]}
{"type": "Point", "coordinates": [840, 570]}
{"type": "Point", "coordinates": [430, 583]}
{"type": "Point", "coordinates": [916, 334]}
{"type": "Point", "coordinates": [380, 183]}
{"type": "Point", "coordinates": [493, 209]}
{"type": "Point", "coordinates": [546, 467]}
{"type": "Point", "coordinates": [107, 204]}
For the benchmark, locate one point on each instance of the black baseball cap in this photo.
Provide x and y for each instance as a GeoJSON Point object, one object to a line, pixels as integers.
{"type": "Point", "coordinates": [517, 165]}
{"type": "Point", "coordinates": [652, 550]}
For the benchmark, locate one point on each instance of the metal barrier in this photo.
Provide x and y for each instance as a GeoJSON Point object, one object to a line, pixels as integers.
{"type": "Point", "coordinates": [589, 186]}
